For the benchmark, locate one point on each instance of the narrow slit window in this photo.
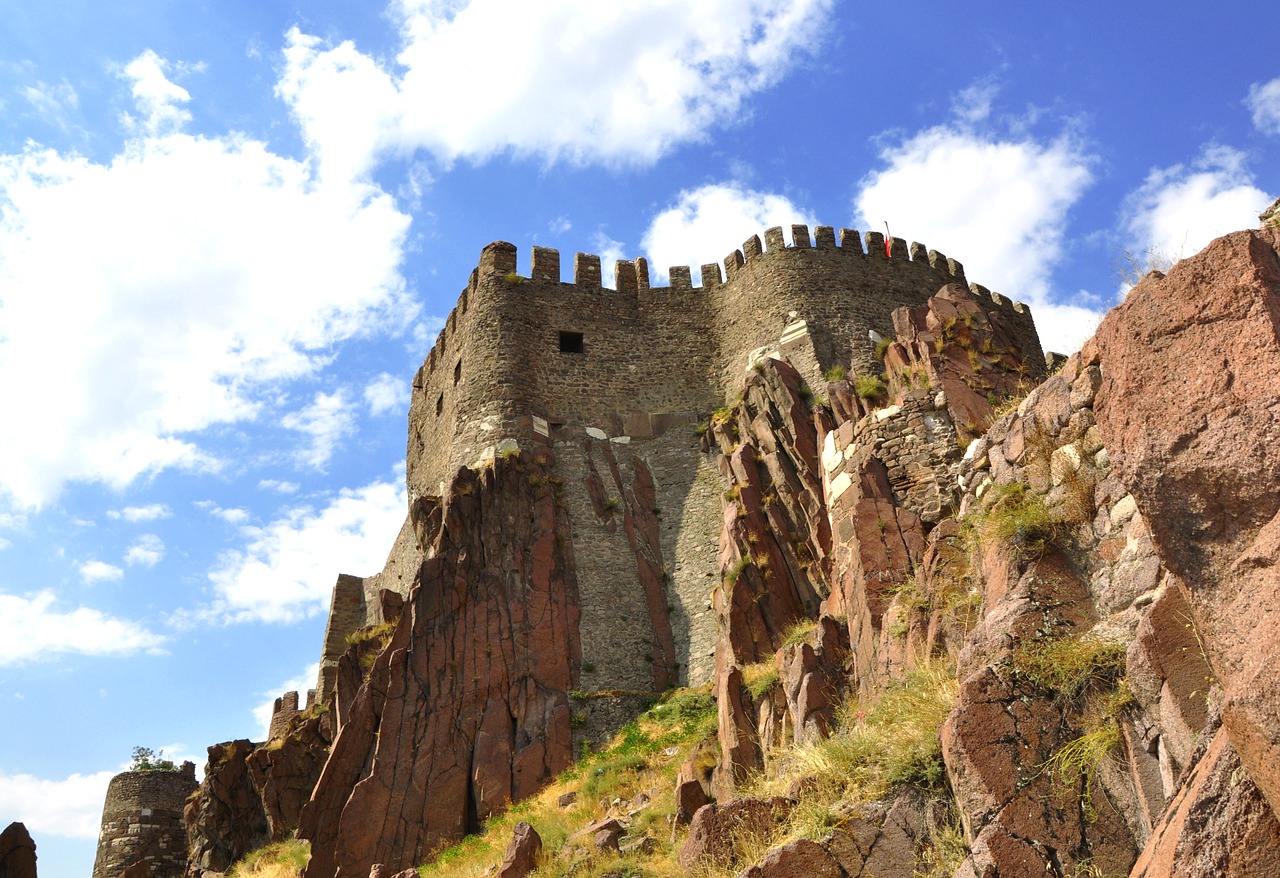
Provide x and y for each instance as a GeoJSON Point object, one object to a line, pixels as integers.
{"type": "Point", "coordinates": [571, 343]}
{"type": "Point", "coordinates": [439, 404]}
{"type": "Point", "coordinates": [457, 372]}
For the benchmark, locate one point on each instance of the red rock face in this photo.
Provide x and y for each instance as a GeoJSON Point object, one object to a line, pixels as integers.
{"type": "Point", "coordinates": [466, 709]}
{"type": "Point", "coordinates": [17, 852]}
{"type": "Point", "coordinates": [1189, 408]}
{"type": "Point", "coordinates": [224, 818]}
{"type": "Point", "coordinates": [285, 775]}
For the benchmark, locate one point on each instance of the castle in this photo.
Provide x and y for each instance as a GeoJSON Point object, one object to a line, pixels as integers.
{"type": "Point", "coordinates": [528, 361]}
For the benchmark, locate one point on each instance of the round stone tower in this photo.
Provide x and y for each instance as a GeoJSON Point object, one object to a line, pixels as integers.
{"type": "Point", "coordinates": [142, 821]}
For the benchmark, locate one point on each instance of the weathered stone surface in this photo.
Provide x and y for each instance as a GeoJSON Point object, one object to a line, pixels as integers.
{"type": "Point", "coordinates": [799, 859]}
{"type": "Point", "coordinates": [140, 869]}
{"type": "Point", "coordinates": [522, 853]}
{"type": "Point", "coordinates": [285, 772]}
{"type": "Point", "coordinates": [1189, 409]}
{"type": "Point", "coordinates": [225, 818]}
{"type": "Point", "coordinates": [1218, 826]}
{"type": "Point", "coordinates": [17, 852]}
{"type": "Point", "coordinates": [712, 832]}
{"type": "Point", "coordinates": [467, 707]}
{"type": "Point", "coordinates": [963, 346]}
{"type": "Point", "coordinates": [142, 820]}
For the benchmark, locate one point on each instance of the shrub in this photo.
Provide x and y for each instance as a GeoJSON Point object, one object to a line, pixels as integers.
{"type": "Point", "coordinates": [799, 632]}
{"type": "Point", "coordinates": [1070, 666]}
{"type": "Point", "coordinates": [1018, 514]}
{"type": "Point", "coordinates": [835, 373]}
{"type": "Point", "coordinates": [869, 387]}
{"type": "Point", "coordinates": [882, 347]}
{"type": "Point", "coordinates": [760, 677]}
{"type": "Point", "coordinates": [146, 759]}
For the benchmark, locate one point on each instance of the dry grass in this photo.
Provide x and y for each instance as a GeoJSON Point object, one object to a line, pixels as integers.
{"type": "Point", "coordinates": [878, 744]}
{"type": "Point", "coordinates": [642, 758]}
{"type": "Point", "coordinates": [279, 860]}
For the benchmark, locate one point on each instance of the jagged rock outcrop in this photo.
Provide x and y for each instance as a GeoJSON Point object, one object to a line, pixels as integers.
{"type": "Point", "coordinates": [466, 708]}
{"type": "Point", "coordinates": [17, 852]}
{"type": "Point", "coordinates": [285, 770]}
{"type": "Point", "coordinates": [1189, 407]}
{"type": "Point", "coordinates": [224, 817]}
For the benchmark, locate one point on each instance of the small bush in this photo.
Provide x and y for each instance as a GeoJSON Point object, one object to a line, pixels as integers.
{"type": "Point", "coordinates": [799, 632]}
{"type": "Point", "coordinates": [882, 347]}
{"type": "Point", "coordinates": [146, 759]}
{"type": "Point", "coordinates": [1018, 514]}
{"type": "Point", "coordinates": [1070, 666]}
{"type": "Point", "coordinates": [869, 387]}
{"type": "Point", "coordinates": [835, 373]}
{"type": "Point", "coordinates": [513, 279]}
{"type": "Point", "coordinates": [760, 677]}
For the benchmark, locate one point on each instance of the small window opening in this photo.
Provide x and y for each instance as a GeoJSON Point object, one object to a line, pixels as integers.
{"type": "Point", "coordinates": [457, 372]}
{"type": "Point", "coordinates": [571, 343]}
{"type": "Point", "coordinates": [439, 404]}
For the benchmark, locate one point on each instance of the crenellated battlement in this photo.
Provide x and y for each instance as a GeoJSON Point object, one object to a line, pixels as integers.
{"type": "Point", "coordinates": [524, 349]}
{"type": "Point", "coordinates": [631, 276]}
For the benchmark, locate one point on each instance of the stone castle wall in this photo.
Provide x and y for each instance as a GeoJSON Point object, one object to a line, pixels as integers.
{"type": "Point", "coordinates": [142, 821]}
{"type": "Point", "coordinates": [643, 366]}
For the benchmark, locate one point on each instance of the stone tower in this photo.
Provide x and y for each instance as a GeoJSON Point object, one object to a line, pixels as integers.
{"type": "Point", "coordinates": [142, 821]}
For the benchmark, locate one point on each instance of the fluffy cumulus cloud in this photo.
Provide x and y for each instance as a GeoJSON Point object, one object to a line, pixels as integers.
{"type": "Point", "coordinates": [69, 808]}
{"type": "Point", "coordinates": [623, 81]}
{"type": "Point", "coordinates": [287, 570]}
{"type": "Point", "coordinates": [1264, 104]}
{"type": "Point", "coordinates": [387, 393]}
{"type": "Point", "coordinates": [325, 421]}
{"type": "Point", "coordinates": [1180, 209]}
{"type": "Point", "coordinates": [160, 292]}
{"type": "Point", "coordinates": [146, 551]}
{"type": "Point", "coordinates": [133, 514]}
{"type": "Point", "coordinates": [33, 625]}
{"type": "Point", "coordinates": [99, 571]}
{"type": "Point", "coordinates": [997, 203]}
{"type": "Point", "coordinates": [708, 223]}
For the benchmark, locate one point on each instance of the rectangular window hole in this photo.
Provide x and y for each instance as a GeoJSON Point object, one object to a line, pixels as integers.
{"type": "Point", "coordinates": [571, 343]}
{"type": "Point", "coordinates": [439, 404]}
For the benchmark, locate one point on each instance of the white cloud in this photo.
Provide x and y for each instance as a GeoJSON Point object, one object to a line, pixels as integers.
{"type": "Point", "coordinates": [997, 204]}
{"type": "Point", "coordinates": [54, 103]}
{"type": "Point", "coordinates": [32, 628]}
{"type": "Point", "coordinates": [1264, 104]}
{"type": "Point", "coordinates": [387, 393]}
{"type": "Point", "coordinates": [134, 514]}
{"type": "Point", "coordinates": [206, 271]}
{"type": "Point", "coordinates": [708, 223]}
{"type": "Point", "coordinates": [287, 571]}
{"type": "Point", "coordinates": [1180, 209]}
{"type": "Point", "coordinates": [580, 80]}
{"type": "Point", "coordinates": [300, 684]}
{"type": "Point", "coordinates": [158, 99]}
{"type": "Point", "coordinates": [279, 486]}
{"type": "Point", "coordinates": [230, 516]}
{"type": "Point", "coordinates": [70, 808]}
{"type": "Point", "coordinates": [97, 571]}
{"type": "Point", "coordinates": [326, 421]}
{"type": "Point", "coordinates": [147, 550]}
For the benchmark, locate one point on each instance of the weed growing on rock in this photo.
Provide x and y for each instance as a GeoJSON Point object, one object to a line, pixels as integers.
{"type": "Point", "coordinates": [759, 677]}
{"type": "Point", "coordinates": [1016, 513]}
{"type": "Point", "coordinates": [1070, 666]}
{"type": "Point", "coordinates": [800, 631]}
{"type": "Point", "coordinates": [869, 387]}
{"type": "Point", "coordinates": [835, 373]}
{"type": "Point", "coordinates": [882, 347]}
{"type": "Point", "coordinates": [283, 859]}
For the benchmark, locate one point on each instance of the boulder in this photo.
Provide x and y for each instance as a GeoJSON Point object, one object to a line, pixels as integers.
{"type": "Point", "coordinates": [716, 829]}
{"type": "Point", "coordinates": [17, 852]}
{"type": "Point", "coordinates": [522, 853]}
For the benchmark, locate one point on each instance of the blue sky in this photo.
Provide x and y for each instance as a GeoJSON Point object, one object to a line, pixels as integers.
{"type": "Point", "coordinates": [229, 232]}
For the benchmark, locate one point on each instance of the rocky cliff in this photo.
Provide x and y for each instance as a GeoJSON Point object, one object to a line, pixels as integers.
{"type": "Point", "coordinates": [961, 618]}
